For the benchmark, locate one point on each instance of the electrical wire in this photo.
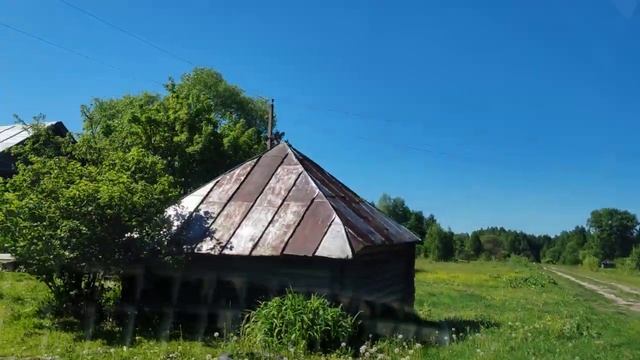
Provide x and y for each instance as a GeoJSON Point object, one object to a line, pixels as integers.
{"type": "Point", "coordinates": [72, 51]}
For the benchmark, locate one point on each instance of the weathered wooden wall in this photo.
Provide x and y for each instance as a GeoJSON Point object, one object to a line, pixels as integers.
{"type": "Point", "coordinates": [217, 290]}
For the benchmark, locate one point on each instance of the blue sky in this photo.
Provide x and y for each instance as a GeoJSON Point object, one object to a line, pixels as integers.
{"type": "Point", "coordinates": [520, 114]}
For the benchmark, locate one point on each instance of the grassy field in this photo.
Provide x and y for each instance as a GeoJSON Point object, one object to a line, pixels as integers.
{"type": "Point", "coordinates": [620, 276]}
{"type": "Point", "coordinates": [517, 311]}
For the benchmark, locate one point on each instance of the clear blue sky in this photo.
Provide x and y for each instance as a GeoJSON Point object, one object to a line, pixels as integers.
{"type": "Point", "coordinates": [525, 116]}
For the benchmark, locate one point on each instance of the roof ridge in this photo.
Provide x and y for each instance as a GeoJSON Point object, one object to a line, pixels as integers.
{"type": "Point", "coordinates": [345, 187]}
{"type": "Point", "coordinates": [295, 152]}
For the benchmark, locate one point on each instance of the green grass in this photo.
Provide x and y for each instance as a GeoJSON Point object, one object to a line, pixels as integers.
{"type": "Point", "coordinates": [534, 318]}
{"type": "Point", "coordinates": [620, 276]}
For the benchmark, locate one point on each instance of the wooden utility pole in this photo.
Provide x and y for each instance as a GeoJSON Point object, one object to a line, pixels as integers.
{"type": "Point", "coordinates": [270, 127]}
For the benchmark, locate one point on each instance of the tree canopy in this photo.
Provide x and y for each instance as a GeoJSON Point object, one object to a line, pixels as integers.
{"type": "Point", "coordinates": [80, 207]}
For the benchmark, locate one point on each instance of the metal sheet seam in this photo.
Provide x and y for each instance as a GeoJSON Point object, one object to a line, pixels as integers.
{"type": "Point", "coordinates": [213, 220]}
{"type": "Point", "coordinates": [324, 233]}
{"type": "Point", "coordinates": [195, 209]}
{"type": "Point", "coordinates": [276, 212]}
{"type": "Point", "coordinates": [252, 203]}
{"type": "Point", "coordinates": [14, 135]}
{"type": "Point", "coordinates": [7, 128]}
{"type": "Point", "coordinates": [284, 247]}
{"type": "Point", "coordinates": [330, 176]}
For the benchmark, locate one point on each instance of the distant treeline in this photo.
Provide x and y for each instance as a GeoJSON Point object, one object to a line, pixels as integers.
{"type": "Point", "coordinates": [608, 234]}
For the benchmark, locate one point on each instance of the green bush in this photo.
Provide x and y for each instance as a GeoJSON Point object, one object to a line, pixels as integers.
{"type": "Point", "coordinates": [533, 280]}
{"type": "Point", "coordinates": [295, 321]}
{"type": "Point", "coordinates": [634, 258]}
{"type": "Point", "coordinates": [519, 260]}
{"type": "Point", "coordinates": [590, 262]}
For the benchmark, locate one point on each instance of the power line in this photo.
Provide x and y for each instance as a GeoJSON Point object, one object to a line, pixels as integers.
{"type": "Point", "coordinates": [71, 51]}
{"type": "Point", "coordinates": [127, 32]}
{"type": "Point", "coordinates": [311, 107]}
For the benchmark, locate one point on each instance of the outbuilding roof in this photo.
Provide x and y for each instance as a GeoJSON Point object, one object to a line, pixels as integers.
{"type": "Point", "coordinates": [11, 135]}
{"type": "Point", "coordinates": [282, 203]}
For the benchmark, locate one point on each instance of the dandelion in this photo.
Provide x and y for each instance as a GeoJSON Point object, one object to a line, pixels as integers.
{"type": "Point", "coordinates": [396, 350]}
{"type": "Point", "coordinates": [400, 337]}
{"type": "Point", "coordinates": [343, 344]}
{"type": "Point", "coordinates": [418, 345]}
{"type": "Point", "coordinates": [216, 334]}
{"type": "Point", "coordinates": [363, 348]}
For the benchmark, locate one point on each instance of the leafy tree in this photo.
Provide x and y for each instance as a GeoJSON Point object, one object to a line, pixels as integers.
{"type": "Point", "coordinates": [395, 208]}
{"type": "Point", "coordinates": [474, 245]}
{"type": "Point", "coordinates": [614, 232]}
{"type": "Point", "coordinates": [571, 254]}
{"type": "Point", "coordinates": [460, 241]}
{"type": "Point", "coordinates": [200, 128]}
{"type": "Point", "coordinates": [417, 224]}
{"type": "Point", "coordinates": [440, 243]}
{"type": "Point", "coordinates": [69, 220]}
{"type": "Point", "coordinates": [634, 257]}
{"type": "Point", "coordinates": [492, 246]}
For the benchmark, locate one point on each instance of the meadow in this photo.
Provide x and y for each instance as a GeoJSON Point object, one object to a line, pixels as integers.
{"type": "Point", "coordinates": [508, 310]}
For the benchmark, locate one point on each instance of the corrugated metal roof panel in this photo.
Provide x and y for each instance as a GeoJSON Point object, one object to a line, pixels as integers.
{"type": "Point", "coordinates": [284, 203]}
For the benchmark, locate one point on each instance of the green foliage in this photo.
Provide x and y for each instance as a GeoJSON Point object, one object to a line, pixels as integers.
{"type": "Point", "coordinates": [396, 209]}
{"type": "Point", "coordinates": [68, 219]}
{"type": "Point", "coordinates": [299, 322]}
{"type": "Point", "coordinates": [200, 128]}
{"type": "Point", "coordinates": [590, 261]}
{"type": "Point", "coordinates": [530, 280]}
{"type": "Point", "coordinates": [614, 232]}
{"type": "Point", "coordinates": [474, 245]}
{"type": "Point", "coordinates": [634, 258]}
{"type": "Point", "coordinates": [440, 244]}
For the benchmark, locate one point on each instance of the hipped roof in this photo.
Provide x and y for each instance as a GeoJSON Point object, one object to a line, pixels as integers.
{"type": "Point", "coordinates": [282, 203]}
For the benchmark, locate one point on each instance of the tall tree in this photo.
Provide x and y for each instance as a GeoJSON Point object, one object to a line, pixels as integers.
{"type": "Point", "coordinates": [440, 243]}
{"type": "Point", "coordinates": [200, 128]}
{"type": "Point", "coordinates": [614, 232]}
{"type": "Point", "coordinates": [474, 245]}
{"type": "Point", "coordinates": [395, 208]}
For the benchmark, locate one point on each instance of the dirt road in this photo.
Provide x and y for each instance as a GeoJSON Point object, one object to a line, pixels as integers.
{"type": "Point", "coordinates": [605, 289]}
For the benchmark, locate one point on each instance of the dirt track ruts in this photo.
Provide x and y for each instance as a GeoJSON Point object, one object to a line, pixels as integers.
{"type": "Point", "coordinates": [629, 304]}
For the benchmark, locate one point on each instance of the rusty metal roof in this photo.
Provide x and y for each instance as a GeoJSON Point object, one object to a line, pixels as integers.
{"type": "Point", "coordinates": [11, 135]}
{"type": "Point", "coordinates": [282, 203]}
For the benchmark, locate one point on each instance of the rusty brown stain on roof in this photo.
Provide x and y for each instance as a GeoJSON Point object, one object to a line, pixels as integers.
{"type": "Point", "coordinates": [284, 203]}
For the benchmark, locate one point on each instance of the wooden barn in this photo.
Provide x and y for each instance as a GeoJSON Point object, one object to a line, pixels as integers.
{"type": "Point", "coordinates": [277, 222]}
{"type": "Point", "coordinates": [11, 135]}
